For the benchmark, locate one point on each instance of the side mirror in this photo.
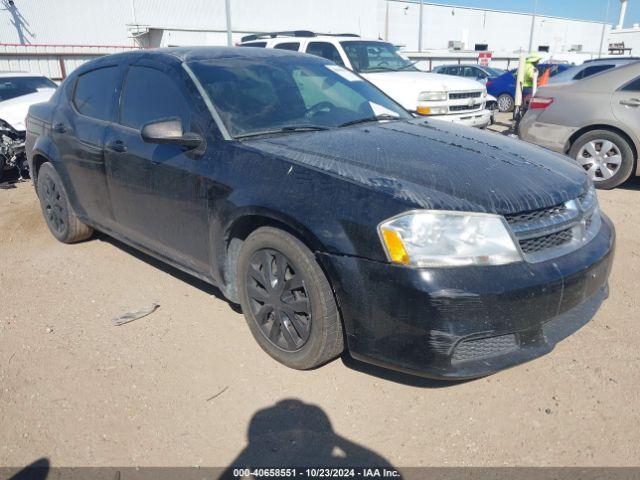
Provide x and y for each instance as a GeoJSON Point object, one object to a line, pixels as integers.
{"type": "Point", "coordinates": [169, 131]}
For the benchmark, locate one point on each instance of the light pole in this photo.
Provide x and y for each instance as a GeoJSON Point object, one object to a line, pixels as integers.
{"type": "Point", "coordinates": [227, 6]}
{"type": "Point", "coordinates": [420, 28]}
{"type": "Point", "coordinates": [533, 24]}
{"type": "Point", "coordinates": [604, 27]}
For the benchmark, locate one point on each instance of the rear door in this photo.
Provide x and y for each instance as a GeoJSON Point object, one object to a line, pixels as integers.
{"type": "Point", "coordinates": [625, 103]}
{"type": "Point", "coordinates": [158, 195]}
{"type": "Point", "coordinates": [78, 130]}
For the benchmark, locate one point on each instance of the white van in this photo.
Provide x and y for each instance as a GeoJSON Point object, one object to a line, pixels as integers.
{"type": "Point", "coordinates": [445, 97]}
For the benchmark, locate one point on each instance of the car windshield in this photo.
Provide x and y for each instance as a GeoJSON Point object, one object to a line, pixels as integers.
{"type": "Point", "coordinates": [12, 87]}
{"type": "Point", "coordinates": [282, 94]}
{"type": "Point", "coordinates": [375, 57]}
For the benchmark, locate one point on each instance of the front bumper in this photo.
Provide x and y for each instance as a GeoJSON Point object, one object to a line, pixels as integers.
{"type": "Point", "coordinates": [478, 119]}
{"type": "Point", "coordinates": [456, 323]}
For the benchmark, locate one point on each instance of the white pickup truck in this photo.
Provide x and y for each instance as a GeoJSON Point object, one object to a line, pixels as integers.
{"type": "Point", "coordinates": [445, 97]}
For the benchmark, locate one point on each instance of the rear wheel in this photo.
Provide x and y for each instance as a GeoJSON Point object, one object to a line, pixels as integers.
{"type": "Point", "coordinates": [60, 218]}
{"type": "Point", "coordinates": [506, 103]}
{"type": "Point", "coordinates": [287, 300]}
{"type": "Point", "coordinates": [605, 156]}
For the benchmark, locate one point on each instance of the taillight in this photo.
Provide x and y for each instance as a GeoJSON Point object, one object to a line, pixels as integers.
{"type": "Point", "coordinates": [540, 103]}
{"type": "Point", "coordinates": [489, 82]}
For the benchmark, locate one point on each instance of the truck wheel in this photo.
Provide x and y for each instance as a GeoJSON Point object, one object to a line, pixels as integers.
{"type": "Point", "coordinates": [606, 157]}
{"type": "Point", "coordinates": [287, 300]}
{"type": "Point", "coordinates": [60, 218]}
{"type": "Point", "coordinates": [506, 102]}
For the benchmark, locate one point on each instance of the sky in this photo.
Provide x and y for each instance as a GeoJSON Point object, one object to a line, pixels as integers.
{"type": "Point", "coordinates": [581, 9]}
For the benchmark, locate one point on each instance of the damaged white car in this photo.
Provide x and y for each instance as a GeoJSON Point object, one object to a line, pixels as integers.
{"type": "Point", "coordinates": [18, 91]}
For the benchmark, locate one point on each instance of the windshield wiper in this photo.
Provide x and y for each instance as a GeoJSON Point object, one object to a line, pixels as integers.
{"type": "Point", "coordinates": [376, 118]}
{"type": "Point", "coordinates": [286, 129]}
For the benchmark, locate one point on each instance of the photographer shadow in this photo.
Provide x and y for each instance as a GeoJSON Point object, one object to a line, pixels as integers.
{"type": "Point", "coordinates": [295, 434]}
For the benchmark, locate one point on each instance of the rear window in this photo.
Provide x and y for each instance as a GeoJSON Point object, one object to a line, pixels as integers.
{"type": "Point", "coordinates": [12, 87]}
{"type": "Point", "coordinates": [93, 95]}
{"type": "Point", "coordinates": [587, 72]}
{"type": "Point", "coordinates": [293, 46]}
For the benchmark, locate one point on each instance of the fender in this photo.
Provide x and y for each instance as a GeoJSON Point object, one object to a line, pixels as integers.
{"type": "Point", "coordinates": [44, 147]}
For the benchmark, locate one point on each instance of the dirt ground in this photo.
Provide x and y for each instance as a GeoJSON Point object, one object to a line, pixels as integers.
{"type": "Point", "coordinates": [189, 386]}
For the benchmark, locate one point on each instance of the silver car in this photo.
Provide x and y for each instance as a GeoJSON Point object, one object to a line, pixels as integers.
{"type": "Point", "coordinates": [596, 121]}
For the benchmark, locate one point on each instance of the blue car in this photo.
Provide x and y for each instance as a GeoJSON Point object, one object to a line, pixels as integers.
{"type": "Point", "coordinates": [504, 86]}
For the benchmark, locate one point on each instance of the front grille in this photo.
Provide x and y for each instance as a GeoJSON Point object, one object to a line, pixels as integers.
{"type": "Point", "coordinates": [549, 232]}
{"type": "Point", "coordinates": [462, 108]}
{"type": "Point", "coordinates": [533, 215]}
{"type": "Point", "coordinates": [532, 245]}
{"type": "Point", "coordinates": [484, 347]}
{"type": "Point", "coordinates": [462, 95]}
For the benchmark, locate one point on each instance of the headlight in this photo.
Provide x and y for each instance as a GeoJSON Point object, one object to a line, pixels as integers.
{"type": "Point", "coordinates": [432, 238]}
{"type": "Point", "coordinates": [432, 110]}
{"type": "Point", "coordinates": [432, 96]}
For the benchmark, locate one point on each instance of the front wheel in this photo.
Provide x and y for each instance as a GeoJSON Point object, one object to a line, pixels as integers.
{"type": "Point", "coordinates": [506, 103]}
{"type": "Point", "coordinates": [287, 300]}
{"type": "Point", "coordinates": [605, 156]}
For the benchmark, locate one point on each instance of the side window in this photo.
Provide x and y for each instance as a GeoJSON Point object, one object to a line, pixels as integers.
{"type": "Point", "coordinates": [587, 72]}
{"type": "Point", "coordinates": [470, 72]}
{"type": "Point", "coordinates": [93, 94]}
{"type": "Point", "coordinates": [632, 86]}
{"type": "Point", "coordinates": [149, 95]}
{"type": "Point", "coordinates": [325, 50]}
{"type": "Point", "coordinates": [293, 46]}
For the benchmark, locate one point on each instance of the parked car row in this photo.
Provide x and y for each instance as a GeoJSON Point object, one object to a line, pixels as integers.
{"type": "Point", "coordinates": [337, 219]}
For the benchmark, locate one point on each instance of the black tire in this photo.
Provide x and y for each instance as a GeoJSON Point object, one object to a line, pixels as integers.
{"type": "Point", "coordinates": [279, 279]}
{"type": "Point", "coordinates": [506, 103]}
{"type": "Point", "coordinates": [2, 164]}
{"type": "Point", "coordinates": [61, 220]}
{"type": "Point", "coordinates": [623, 170]}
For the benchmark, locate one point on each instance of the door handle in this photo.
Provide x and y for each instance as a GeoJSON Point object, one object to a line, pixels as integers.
{"type": "Point", "coordinates": [632, 102]}
{"type": "Point", "coordinates": [117, 146]}
{"type": "Point", "coordinates": [59, 128]}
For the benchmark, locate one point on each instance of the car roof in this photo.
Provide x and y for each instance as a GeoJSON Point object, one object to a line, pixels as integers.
{"type": "Point", "coordinates": [183, 54]}
{"type": "Point", "coordinates": [611, 79]}
{"type": "Point", "coordinates": [322, 38]}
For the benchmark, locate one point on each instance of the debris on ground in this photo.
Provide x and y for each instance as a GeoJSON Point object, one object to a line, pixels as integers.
{"type": "Point", "coordinates": [218, 394]}
{"type": "Point", "coordinates": [135, 314]}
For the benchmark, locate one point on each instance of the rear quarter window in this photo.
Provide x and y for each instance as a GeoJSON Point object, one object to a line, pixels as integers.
{"type": "Point", "coordinates": [94, 92]}
{"type": "Point", "coordinates": [254, 44]}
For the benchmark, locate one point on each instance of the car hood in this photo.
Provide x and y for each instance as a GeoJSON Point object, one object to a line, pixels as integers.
{"type": "Point", "coordinates": [14, 110]}
{"type": "Point", "coordinates": [436, 165]}
{"type": "Point", "coordinates": [404, 87]}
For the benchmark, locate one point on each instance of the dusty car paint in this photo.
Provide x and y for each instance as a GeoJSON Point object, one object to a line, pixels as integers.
{"type": "Point", "coordinates": [332, 188]}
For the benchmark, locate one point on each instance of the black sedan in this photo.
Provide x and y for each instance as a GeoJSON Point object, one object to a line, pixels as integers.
{"type": "Point", "coordinates": [331, 215]}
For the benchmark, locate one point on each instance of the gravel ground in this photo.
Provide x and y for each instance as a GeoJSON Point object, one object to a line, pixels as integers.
{"type": "Point", "coordinates": [187, 385]}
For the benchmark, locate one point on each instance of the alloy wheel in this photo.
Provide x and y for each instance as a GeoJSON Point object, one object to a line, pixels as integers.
{"type": "Point", "coordinates": [505, 103]}
{"type": "Point", "coordinates": [600, 158]}
{"type": "Point", "coordinates": [279, 300]}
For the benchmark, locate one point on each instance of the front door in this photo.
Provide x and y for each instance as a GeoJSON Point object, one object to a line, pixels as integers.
{"type": "Point", "coordinates": [159, 197]}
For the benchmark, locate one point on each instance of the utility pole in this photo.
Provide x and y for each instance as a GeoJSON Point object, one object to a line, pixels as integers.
{"type": "Point", "coordinates": [604, 27]}
{"type": "Point", "coordinates": [420, 27]}
{"type": "Point", "coordinates": [533, 24]}
{"type": "Point", "coordinates": [227, 6]}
